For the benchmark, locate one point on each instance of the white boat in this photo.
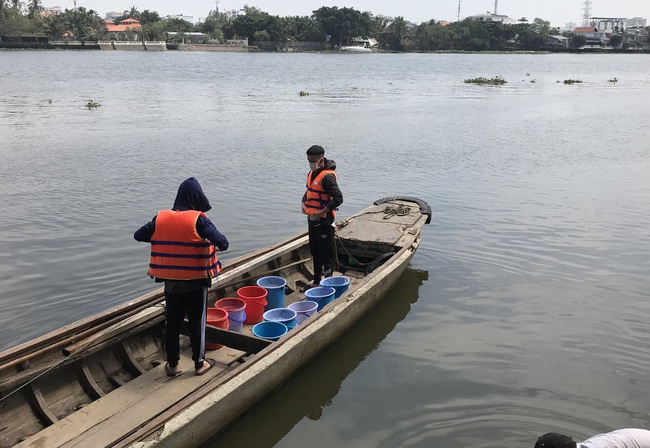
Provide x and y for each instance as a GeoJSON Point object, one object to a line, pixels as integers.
{"type": "Point", "coordinates": [356, 49]}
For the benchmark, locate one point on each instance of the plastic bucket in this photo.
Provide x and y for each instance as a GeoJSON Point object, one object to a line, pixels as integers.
{"type": "Point", "coordinates": [275, 288]}
{"type": "Point", "coordinates": [285, 315]}
{"type": "Point", "coordinates": [304, 309]}
{"type": "Point", "coordinates": [217, 318]}
{"type": "Point", "coordinates": [270, 330]}
{"type": "Point", "coordinates": [321, 295]}
{"type": "Point", "coordinates": [340, 283]}
{"type": "Point", "coordinates": [236, 309]}
{"type": "Point", "coordinates": [255, 299]}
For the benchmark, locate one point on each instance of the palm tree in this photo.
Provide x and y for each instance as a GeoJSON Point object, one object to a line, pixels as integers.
{"type": "Point", "coordinates": [398, 33]}
{"type": "Point", "coordinates": [17, 5]}
{"type": "Point", "coordinates": [55, 27]}
{"type": "Point", "coordinates": [134, 13]}
{"type": "Point", "coordinates": [34, 9]}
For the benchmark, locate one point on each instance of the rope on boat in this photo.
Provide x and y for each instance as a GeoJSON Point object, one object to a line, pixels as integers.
{"type": "Point", "coordinates": [399, 210]}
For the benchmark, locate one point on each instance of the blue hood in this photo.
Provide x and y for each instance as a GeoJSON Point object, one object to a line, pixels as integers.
{"type": "Point", "coordinates": [190, 196]}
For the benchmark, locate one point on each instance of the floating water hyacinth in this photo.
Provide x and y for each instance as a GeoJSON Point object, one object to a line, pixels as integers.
{"type": "Point", "coordinates": [496, 81]}
{"type": "Point", "coordinates": [91, 104]}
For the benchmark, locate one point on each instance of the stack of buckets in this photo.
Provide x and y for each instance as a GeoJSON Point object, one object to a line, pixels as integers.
{"type": "Point", "coordinates": [264, 305]}
{"type": "Point", "coordinates": [236, 309]}
{"type": "Point", "coordinates": [276, 320]}
{"type": "Point", "coordinates": [217, 318]}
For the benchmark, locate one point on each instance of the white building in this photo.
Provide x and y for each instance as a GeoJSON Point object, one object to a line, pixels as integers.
{"type": "Point", "coordinates": [570, 26]}
{"type": "Point", "coordinates": [180, 16]}
{"type": "Point", "coordinates": [639, 22]}
{"type": "Point", "coordinates": [493, 18]}
{"type": "Point", "coordinates": [234, 13]}
{"type": "Point", "coordinates": [116, 15]}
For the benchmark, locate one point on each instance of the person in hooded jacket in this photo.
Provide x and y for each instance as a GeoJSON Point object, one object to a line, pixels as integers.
{"type": "Point", "coordinates": [320, 203]}
{"type": "Point", "coordinates": [184, 243]}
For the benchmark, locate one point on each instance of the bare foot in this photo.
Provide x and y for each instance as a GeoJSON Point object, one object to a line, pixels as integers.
{"type": "Point", "coordinates": [208, 363]}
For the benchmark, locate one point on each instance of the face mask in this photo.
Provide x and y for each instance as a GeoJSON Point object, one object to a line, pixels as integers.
{"type": "Point", "coordinates": [313, 166]}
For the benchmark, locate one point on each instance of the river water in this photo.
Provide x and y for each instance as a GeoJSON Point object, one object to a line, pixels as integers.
{"type": "Point", "coordinates": [525, 310]}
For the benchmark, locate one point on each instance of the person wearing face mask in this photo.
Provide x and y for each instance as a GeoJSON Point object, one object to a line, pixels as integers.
{"type": "Point", "coordinates": [320, 203]}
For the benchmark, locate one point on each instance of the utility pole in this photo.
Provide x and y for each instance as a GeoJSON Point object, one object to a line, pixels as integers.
{"type": "Point", "coordinates": [496, 7]}
{"type": "Point", "coordinates": [75, 3]}
{"type": "Point", "coordinates": [586, 14]}
{"type": "Point", "coordinates": [459, 10]}
{"type": "Point", "coordinates": [216, 2]}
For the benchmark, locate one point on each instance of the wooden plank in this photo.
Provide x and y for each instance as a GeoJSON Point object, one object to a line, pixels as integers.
{"type": "Point", "coordinates": [121, 411]}
{"type": "Point", "coordinates": [232, 339]}
{"type": "Point", "coordinates": [88, 381]}
{"type": "Point", "coordinates": [117, 329]}
{"type": "Point", "coordinates": [41, 405]}
{"type": "Point", "coordinates": [132, 363]}
{"type": "Point", "coordinates": [19, 378]}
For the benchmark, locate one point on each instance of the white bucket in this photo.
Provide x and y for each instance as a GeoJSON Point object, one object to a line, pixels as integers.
{"type": "Point", "coordinates": [303, 309]}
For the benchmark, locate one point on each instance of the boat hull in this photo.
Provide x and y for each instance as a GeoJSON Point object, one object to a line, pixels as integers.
{"type": "Point", "coordinates": [250, 383]}
{"type": "Point", "coordinates": [111, 364]}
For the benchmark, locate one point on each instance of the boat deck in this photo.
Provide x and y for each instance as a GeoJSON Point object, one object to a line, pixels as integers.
{"type": "Point", "coordinates": [143, 398]}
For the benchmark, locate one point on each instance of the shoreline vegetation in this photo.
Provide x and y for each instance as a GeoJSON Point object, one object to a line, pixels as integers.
{"type": "Point", "coordinates": [29, 25]}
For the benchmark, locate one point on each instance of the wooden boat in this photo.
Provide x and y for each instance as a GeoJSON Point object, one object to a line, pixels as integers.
{"type": "Point", "coordinates": [101, 382]}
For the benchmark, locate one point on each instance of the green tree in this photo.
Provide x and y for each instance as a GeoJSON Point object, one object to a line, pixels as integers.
{"type": "Point", "coordinates": [398, 34]}
{"type": "Point", "coordinates": [616, 40]}
{"type": "Point", "coordinates": [343, 23]}
{"type": "Point", "coordinates": [154, 31]}
{"type": "Point", "coordinates": [34, 9]}
{"type": "Point", "coordinates": [178, 25]}
{"type": "Point", "coordinates": [431, 36]}
{"type": "Point", "coordinates": [55, 27]}
{"type": "Point", "coordinates": [147, 16]}
{"type": "Point", "coordinates": [577, 41]}
{"type": "Point", "coordinates": [134, 13]}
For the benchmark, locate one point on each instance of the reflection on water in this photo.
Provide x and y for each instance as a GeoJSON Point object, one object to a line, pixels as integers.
{"type": "Point", "coordinates": [312, 389]}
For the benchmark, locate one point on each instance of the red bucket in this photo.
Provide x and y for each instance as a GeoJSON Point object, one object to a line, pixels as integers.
{"type": "Point", "coordinates": [217, 318]}
{"type": "Point", "coordinates": [255, 298]}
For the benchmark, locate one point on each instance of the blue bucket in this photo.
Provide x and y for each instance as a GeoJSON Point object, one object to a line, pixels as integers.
{"type": "Point", "coordinates": [275, 291]}
{"type": "Point", "coordinates": [285, 315]}
{"type": "Point", "coordinates": [340, 283]}
{"type": "Point", "coordinates": [321, 295]}
{"type": "Point", "coordinates": [270, 330]}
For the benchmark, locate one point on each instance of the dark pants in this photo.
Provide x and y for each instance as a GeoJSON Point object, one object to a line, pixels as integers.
{"type": "Point", "coordinates": [321, 246]}
{"type": "Point", "coordinates": [194, 303]}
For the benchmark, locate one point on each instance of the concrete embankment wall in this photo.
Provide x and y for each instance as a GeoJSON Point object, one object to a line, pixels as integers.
{"type": "Point", "coordinates": [128, 46]}
{"type": "Point", "coordinates": [211, 47]}
{"type": "Point", "coordinates": [155, 45]}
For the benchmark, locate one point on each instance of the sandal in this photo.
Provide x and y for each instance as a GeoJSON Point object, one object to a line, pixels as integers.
{"type": "Point", "coordinates": [171, 371]}
{"type": "Point", "coordinates": [211, 362]}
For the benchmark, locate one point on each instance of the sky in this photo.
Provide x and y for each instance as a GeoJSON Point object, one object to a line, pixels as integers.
{"type": "Point", "coordinates": [558, 12]}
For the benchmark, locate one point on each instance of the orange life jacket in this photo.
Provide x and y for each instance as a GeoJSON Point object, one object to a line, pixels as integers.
{"type": "Point", "coordinates": [317, 198]}
{"type": "Point", "coordinates": [177, 250]}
